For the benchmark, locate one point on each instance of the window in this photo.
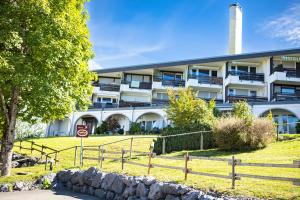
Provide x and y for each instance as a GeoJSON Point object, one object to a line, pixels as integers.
{"type": "Point", "coordinates": [253, 93]}
{"type": "Point", "coordinates": [242, 69]}
{"type": "Point", "coordinates": [214, 73]}
{"type": "Point", "coordinates": [213, 95]}
{"type": "Point", "coordinates": [253, 70]}
{"type": "Point", "coordinates": [168, 76]}
{"type": "Point", "coordinates": [241, 92]}
{"type": "Point", "coordinates": [136, 77]}
{"type": "Point", "coordinates": [233, 68]}
{"type": "Point", "coordinates": [114, 100]}
{"type": "Point", "coordinates": [288, 90]}
{"type": "Point", "coordinates": [194, 72]}
{"type": "Point", "coordinates": [106, 100]}
{"type": "Point", "coordinates": [178, 77]}
{"type": "Point", "coordinates": [231, 92]}
{"type": "Point", "coordinates": [202, 72]}
{"type": "Point", "coordinates": [203, 94]}
{"type": "Point", "coordinates": [163, 96]}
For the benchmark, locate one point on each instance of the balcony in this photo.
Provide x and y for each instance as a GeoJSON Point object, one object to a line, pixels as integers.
{"type": "Point", "coordinates": [207, 79]}
{"type": "Point", "coordinates": [138, 85]}
{"type": "Point", "coordinates": [169, 83]}
{"type": "Point", "coordinates": [99, 105]}
{"type": "Point", "coordinates": [245, 76]}
{"type": "Point", "coordinates": [109, 87]}
{"type": "Point", "coordinates": [284, 75]}
{"type": "Point", "coordinates": [235, 98]}
{"type": "Point", "coordinates": [159, 102]}
{"type": "Point", "coordinates": [286, 97]}
{"type": "Point", "coordinates": [133, 104]}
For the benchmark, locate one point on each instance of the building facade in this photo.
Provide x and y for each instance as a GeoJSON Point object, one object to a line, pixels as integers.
{"type": "Point", "coordinates": [268, 81]}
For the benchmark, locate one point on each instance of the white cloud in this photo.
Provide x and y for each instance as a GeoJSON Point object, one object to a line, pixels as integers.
{"type": "Point", "coordinates": [93, 64]}
{"type": "Point", "coordinates": [285, 25]}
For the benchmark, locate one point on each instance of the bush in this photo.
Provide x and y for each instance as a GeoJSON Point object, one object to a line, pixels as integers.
{"type": "Point", "coordinates": [135, 128]}
{"type": "Point", "coordinates": [298, 127]}
{"type": "Point", "coordinates": [234, 133]}
{"type": "Point", "coordinates": [241, 109]}
{"type": "Point", "coordinates": [102, 129]}
{"type": "Point", "coordinates": [188, 142]}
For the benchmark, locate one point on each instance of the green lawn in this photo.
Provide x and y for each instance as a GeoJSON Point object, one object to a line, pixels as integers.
{"type": "Point", "coordinates": [278, 152]}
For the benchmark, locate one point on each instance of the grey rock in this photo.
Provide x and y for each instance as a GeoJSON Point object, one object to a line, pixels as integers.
{"type": "Point", "coordinates": [69, 185]}
{"type": "Point", "coordinates": [19, 186]}
{"type": "Point", "coordinates": [76, 188]}
{"type": "Point", "coordinates": [129, 191]}
{"type": "Point", "coordinates": [183, 189]}
{"type": "Point", "coordinates": [156, 191]}
{"type": "Point", "coordinates": [6, 187]}
{"type": "Point", "coordinates": [170, 188]}
{"type": "Point", "coordinates": [192, 195]}
{"type": "Point", "coordinates": [132, 198]}
{"type": "Point", "coordinates": [206, 197]}
{"type": "Point", "coordinates": [110, 196]}
{"type": "Point", "coordinates": [91, 191]}
{"type": "Point", "coordinates": [100, 193]}
{"type": "Point", "coordinates": [84, 189]}
{"type": "Point", "coordinates": [97, 180]}
{"type": "Point", "coordinates": [171, 197]}
{"type": "Point", "coordinates": [58, 186]}
{"type": "Point", "coordinates": [131, 181]}
{"type": "Point", "coordinates": [148, 180]}
{"type": "Point", "coordinates": [141, 190]}
{"type": "Point", "coordinates": [76, 177]}
{"type": "Point", "coordinates": [118, 197]}
{"type": "Point", "coordinates": [118, 185]}
{"type": "Point", "coordinates": [86, 177]}
{"type": "Point", "coordinates": [108, 181]}
{"type": "Point", "coordinates": [65, 175]}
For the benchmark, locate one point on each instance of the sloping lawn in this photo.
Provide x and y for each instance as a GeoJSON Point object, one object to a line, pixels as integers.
{"type": "Point", "coordinates": [278, 152]}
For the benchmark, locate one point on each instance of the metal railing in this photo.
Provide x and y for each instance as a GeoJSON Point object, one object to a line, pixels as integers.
{"type": "Point", "coordinates": [285, 97]}
{"type": "Point", "coordinates": [234, 98]}
{"type": "Point", "coordinates": [142, 85]}
{"type": "Point", "coordinates": [99, 105]}
{"type": "Point", "coordinates": [133, 104]}
{"type": "Point", "coordinates": [207, 79]}
{"type": "Point", "coordinates": [109, 87]}
{"type": "Point", "coordinates": [248, 76]}
{"type": "Point", "coordinates": [165, 82]}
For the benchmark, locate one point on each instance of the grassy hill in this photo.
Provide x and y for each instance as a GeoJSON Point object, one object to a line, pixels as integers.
{"type": "Point", "coordinates": [278, 152]}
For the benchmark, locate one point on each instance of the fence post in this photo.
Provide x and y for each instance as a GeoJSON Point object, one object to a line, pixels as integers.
{"type": "Point", "coordinates": [55, 158]}
{"type": "Point", "coordinates": [99, 153]}
{"type": "Point", "coordinates": [164, 146]}
{"type": "Point", "coordinates": [149, 162]}
{"type": "Point", "coordinates": [20, 145]}
{"type": "Point", "coordinates": [81, 161]}
{"type": "Point", "coordinates": [201, 141]}
{"type": "Point", "coordinates": [31, 148]}
{"type": "Point", "coordinates": [233, 177]}
{"type": "Point", "coordinates": [102, 152]}
{"type": "Point", "coordinates": [122, 159]}
{"type": "Point", "coordinates": [131, 141]}
{"type": "Point", "coordinates": [186, 170]}
{"type": "Point", "coordinates": [46, 162]}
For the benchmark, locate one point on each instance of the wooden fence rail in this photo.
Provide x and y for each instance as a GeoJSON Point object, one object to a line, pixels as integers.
{"type": "Point", "coordinates": [233, 162]}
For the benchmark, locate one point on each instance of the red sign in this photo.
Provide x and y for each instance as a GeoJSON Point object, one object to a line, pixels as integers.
{"type": "Point", "coordinates": [82, 131]}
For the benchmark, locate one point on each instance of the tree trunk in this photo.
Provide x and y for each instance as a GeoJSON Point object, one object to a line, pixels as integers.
{"type": "Point", "coordinates": [10, 113]}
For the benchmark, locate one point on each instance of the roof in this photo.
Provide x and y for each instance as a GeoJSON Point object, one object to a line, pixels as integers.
{"type": "Point", "coordinates": [202, 60]}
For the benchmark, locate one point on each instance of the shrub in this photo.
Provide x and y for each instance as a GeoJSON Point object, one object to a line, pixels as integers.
{"type": "Point", "coordinates": [187, 142]}
{"type": "Point", "coordinates": [234, 133]}
{"type": "Point", "coordinates": [135, 128]}
{"type": "Point", "coordinates": [241, 109]}
{"type": "Point", "coordinates": [113, 124]}
{"type": "Point", "coordinates": [46, 184]}
{"type": "Point", "coordinates": [102, 129]}
{"type": "Point", "coordinates": [298, 127]}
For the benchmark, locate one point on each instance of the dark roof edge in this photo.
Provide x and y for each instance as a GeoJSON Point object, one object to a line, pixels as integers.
{"type": "Point", "coordinates": [201, 60]}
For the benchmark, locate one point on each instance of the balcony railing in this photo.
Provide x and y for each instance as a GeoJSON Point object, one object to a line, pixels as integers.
{"type": "Point", "coordinates": [140, 85]}
{"type": "Point", "coordinates": [109, 87]}
{"type": "Point", "coordinates": [207, 79]}
{"type": "Point", "coordinates": [289, 72]}
{"type": "Point", "coordinates": [234, 98]}
{"type": "Point", "coordinates": [173, 83]}
{"type": "Point", "coordinates": [286, 97]}
{"type": "Point", "coordinates": [99, 105]}
{"type": "Point", "coordinates": [159, 102]}
{"type": "Point", "coordinates": [248, 76]}
{"type": "Point", "coordinates": [133, 104]}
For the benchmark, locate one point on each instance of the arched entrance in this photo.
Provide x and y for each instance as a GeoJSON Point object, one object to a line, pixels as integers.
{"type": "Point", "coordinates": [285, 119]}
{"type": "Point", "coordinates": [88, 120]}
{"type": "Point", "coordinates": [151, 121]}
{"type": "Point", "coordinates": [122, 121]}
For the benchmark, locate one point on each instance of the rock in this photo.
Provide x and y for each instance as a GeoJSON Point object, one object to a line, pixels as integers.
{"type": "Point", "coordinates": [171, 197]}
{"type": "Point", "coordinates": [118, 185]}
{"type": "Point", "coordinates": [170, 188]}
{"type": "Point", "coordinates": [192, 195]}
{"type": "Point", "coordinates": [110, 196]}
{"type": "Point", "coordinates": [76, 188]}
{"type": "Point", "coordinates": [129, 191]}
{"type": "Point", "coordinates": [58, 186]}
{"type": "Point", "coordinates": [6, 187]}
{"type": "Point", "coordinates": [91, 191]}
{"type": "Point", "coordinates": [19, 186]}
{"type": "Point", "coordinates": [49, 177]}
{"type": "Point", "coordinates": [97, 180]}
{"type": "Point", "coordinates": [206, 197]}
{"type": "Point", "coordinates": [65, 175]}
{"type": "Point", "coordinates": [118, 197]}
{"type": "Point", "coordinates": [148, 180]}
{"type": "Point", "coordinates": [86, 177]}
{"type": "Point", "coordinates": [131, 181]}
{"type": "Point", "coordinates": [84, 189]}
{"type": "Point", "coordinates": [69, 185]}
{"type": "Point", "coordinates": [141, 190]}
{"type": "Point", "coordinates": [100, 193]}
{"type": "Point", "coordinates": [108, 181]}
{"type": "Point", "coordinates": [132, 198]}
{"type": "Point", "coordinates": [183, 189]}
{"type": "Point", "coordinates": [156, 191]}
{"type": "Point", "coordinates": [76, 177]}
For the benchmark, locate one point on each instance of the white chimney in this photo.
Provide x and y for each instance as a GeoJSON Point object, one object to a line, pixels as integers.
{"type": "Point", "coordinates": [235, 29]}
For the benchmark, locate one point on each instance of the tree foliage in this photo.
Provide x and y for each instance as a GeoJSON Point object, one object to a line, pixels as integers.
{"type": "Point", "coordinates": [185, 109]}
{"type": "Point", "coordinates": [44, 53]}
{"type": "Point", "coordinates": [241, 109]}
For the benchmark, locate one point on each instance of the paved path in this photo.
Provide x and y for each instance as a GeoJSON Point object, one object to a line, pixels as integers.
{"type": "Point", "coordinates": [44, 195]}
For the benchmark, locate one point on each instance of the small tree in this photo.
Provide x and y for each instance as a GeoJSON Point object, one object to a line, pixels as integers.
{"type": "Point", "coordinates": [112, 124]}
{"type": "Point", "coordinates": [242, 110]}
{"type": "Point", "coordinates": [187, 109]}
{"type": "Point", "coordinates": [135, 128]}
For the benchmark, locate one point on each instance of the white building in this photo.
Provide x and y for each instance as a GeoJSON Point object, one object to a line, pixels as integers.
{"type": "Point", "coordinates": [266, 80]}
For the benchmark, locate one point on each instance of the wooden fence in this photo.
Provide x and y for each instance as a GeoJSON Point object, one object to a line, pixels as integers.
{"type": "Point", "coordinates": [233, 175]}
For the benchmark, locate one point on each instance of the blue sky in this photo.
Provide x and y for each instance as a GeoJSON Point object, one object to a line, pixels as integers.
{"type": "Point", "coordinates": [132, 32]}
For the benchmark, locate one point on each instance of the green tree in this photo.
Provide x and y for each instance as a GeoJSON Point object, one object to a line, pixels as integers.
{"type": "Point", "coordinates": [44, 54]}
{"type": "Point", "coordinates": [242, 110]}
{"type": "Point", "coordinates": [185, 109]}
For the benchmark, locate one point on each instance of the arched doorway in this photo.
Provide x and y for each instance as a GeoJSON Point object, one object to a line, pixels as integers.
{"type": "Point", "coordinates": [88, 120]}
{"type": "Point", "coordinates": [151, 121]}
{"type": "Point", "coordinates": [122, 121]}
{"type": "Point", "coordinates": [285, 119]}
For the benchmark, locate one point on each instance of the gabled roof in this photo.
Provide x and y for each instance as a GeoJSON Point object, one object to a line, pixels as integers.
{"type": "Point", "coordinates": [202, 60]}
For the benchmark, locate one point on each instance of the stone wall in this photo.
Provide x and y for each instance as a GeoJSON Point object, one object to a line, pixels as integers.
{"type": "Point", "coordinates": [111, 186]}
